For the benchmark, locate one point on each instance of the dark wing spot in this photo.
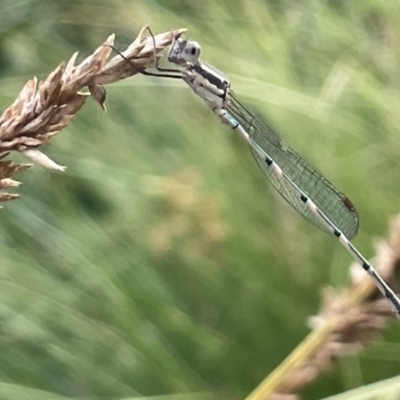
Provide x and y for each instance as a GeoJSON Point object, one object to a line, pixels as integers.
{"type": "Point", "coordinates": [349, 205]}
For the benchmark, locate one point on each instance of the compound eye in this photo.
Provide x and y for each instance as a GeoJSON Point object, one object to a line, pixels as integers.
{"type": "Point", "coordinates": [192, 51]}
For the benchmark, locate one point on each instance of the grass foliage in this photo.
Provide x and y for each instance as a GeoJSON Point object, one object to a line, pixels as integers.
{"type": "Point", "coordinates": [161, 263]}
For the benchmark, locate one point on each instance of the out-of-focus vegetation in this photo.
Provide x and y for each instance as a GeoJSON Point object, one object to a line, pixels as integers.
{"type": "Point", "coordinates": [162, 262]}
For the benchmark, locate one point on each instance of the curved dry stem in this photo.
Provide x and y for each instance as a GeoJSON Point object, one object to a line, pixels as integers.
{"type": "Point", "coordinates": [42, 109]}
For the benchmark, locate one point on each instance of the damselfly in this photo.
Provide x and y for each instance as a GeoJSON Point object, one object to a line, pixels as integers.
{"type": "Point", "coordinates": [307, 190]}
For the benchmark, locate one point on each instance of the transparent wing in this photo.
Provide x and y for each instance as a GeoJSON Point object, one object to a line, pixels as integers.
{"type": "Point", "coordinates": [330, 200]}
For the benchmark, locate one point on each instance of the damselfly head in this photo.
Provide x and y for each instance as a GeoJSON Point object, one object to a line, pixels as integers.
{"type": "Point", "coordinates": [183, 52]}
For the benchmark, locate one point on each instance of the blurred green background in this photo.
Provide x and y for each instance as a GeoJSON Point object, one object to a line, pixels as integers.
{"type": "Point", "coordinates": [162, 263]}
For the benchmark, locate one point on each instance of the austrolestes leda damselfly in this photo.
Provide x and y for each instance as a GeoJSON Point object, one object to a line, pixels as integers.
{"type": "Point", "coordinates": [300, 184]}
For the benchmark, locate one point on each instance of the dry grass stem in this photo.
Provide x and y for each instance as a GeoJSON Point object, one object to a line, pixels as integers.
{"type": "Point", "coordinates": [42, 109]}
{"type": "Point", "coordinates": [348, 321]}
